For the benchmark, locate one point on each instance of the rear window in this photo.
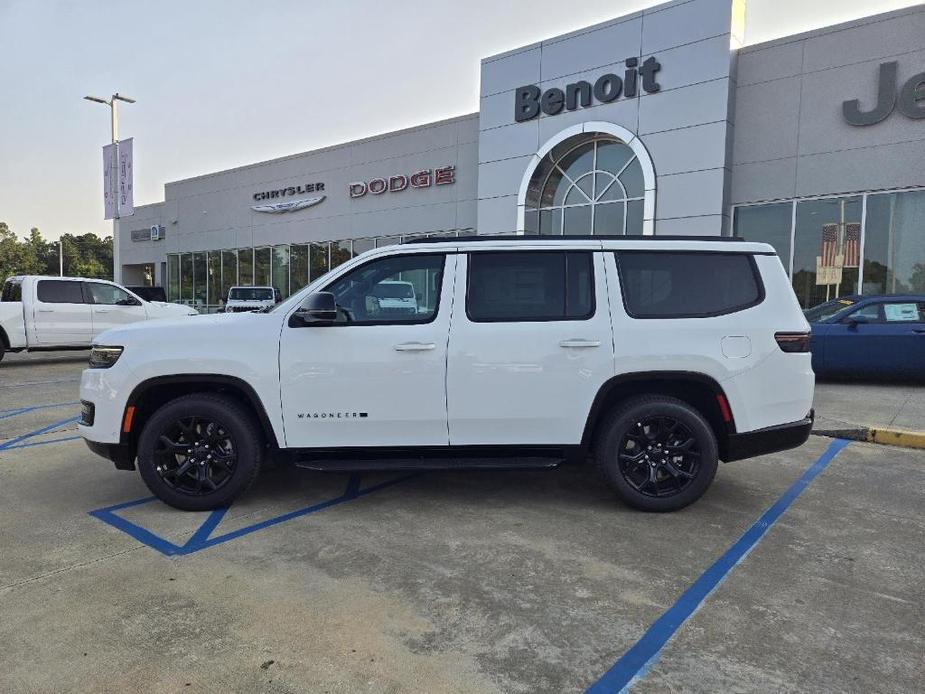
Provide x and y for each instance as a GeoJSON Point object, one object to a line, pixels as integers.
{"type": "Point", "coordinates": [60, 292]}
{"type": "Point", "coordinates": [12, 291]}
{"type": "Point", "coordinates": [660, 284]}
{"type": "Point", "coordinates": [530, 286]}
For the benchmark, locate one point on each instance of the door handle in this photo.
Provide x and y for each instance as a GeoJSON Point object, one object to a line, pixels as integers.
{"type": "Point", "coordinates": [919, 331]}
{"type": "Point", "coordinates": [44, 310]}
{"type": "Point", "coordinates": [104, 310]}
{"type": "Point", "coordinates": [580, 343]}
{"type": "Point", "coordinates": [414, 346]}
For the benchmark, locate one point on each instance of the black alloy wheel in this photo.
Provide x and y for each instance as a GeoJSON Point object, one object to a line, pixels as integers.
{"type": "Point", "coordinates": [659, 456]}
{"type": "Point", "coordinates": [658, 453]}
{"type": "Point", "coordinates": [195, 455]}
{"type": "Point", "coordinates": [200, 452]}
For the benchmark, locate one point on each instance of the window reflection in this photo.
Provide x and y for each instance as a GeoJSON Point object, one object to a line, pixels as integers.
{"type": "Point", "coordinates": [826, 249]}
{"type": "Point", "coordinates": [894, 247]}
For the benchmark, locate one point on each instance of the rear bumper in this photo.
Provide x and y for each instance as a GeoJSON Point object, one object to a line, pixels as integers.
{"type": "Point", "coordinates": [118, 453]}
{"type": "Point", "coordinates": [769, 440]}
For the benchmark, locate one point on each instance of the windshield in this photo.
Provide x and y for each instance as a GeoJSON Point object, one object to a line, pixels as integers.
{"type": "Point", "coordinates": [829, 308]}
{"type": "Point", "coordinates": [393, 290]}
{"type": "Point", "coordinates": [250, 294]}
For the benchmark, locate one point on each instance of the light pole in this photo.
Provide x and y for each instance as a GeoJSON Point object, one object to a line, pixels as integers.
{"type": "Point", "coordinates": [113, 103]}
{"type": "Point", "coordinates": [60, 257]}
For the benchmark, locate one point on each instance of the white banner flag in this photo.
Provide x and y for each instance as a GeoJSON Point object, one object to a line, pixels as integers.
{"type": "Point", "coordinates": [126, 196]}
{"type": "Point", "coordinates": [109, 170]}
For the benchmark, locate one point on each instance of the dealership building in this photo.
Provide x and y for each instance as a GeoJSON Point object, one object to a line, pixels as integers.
{"type": "Point", "coordinates": [657, 122]}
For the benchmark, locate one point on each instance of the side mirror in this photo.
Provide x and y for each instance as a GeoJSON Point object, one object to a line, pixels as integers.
{"type": "Point", "coordinates": [857, 320]}
{"type": "Point", "coordinates": [319, 308]}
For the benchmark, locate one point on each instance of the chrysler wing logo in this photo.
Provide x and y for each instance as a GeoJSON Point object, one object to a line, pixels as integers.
{"type": "Point", "coordinates": [290, 206]}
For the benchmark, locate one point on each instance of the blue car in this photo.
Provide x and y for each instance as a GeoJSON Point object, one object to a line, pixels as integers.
{"type": "Point", "coordinates": [869, 336]}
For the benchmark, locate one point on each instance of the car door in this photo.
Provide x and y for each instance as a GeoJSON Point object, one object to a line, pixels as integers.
{"type": "Point", "coordinates": [112, 306]}
{"type": "Point", "coordinates": [849, 339]}
{"type": "Point", "coordinates": [884, 337]}
{"type": "Point", "coordinates": [376, 377]}
{"type": "Point", "coordinates": [60, 315]}
{"type": "Point", "coordinates": [531, 343]}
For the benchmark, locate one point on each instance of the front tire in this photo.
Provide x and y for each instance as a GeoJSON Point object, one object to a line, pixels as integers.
{"type": "Point", "coordinates": [657, 453]}
{"type": "Point", "coordinates": [200, 452]}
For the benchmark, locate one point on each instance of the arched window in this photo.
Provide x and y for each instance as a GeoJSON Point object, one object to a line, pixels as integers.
{"type": "Point", "coordinates": [590, 183]}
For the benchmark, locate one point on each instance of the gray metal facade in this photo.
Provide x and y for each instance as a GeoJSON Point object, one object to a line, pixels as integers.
{"type": "Point", "coordinates": [725, 127]}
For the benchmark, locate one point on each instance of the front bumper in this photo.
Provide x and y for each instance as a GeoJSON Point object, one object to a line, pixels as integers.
{"type": "Point", "coordinates": [769, 440]}
{"type": "Point", "coordinates": [118, 453]}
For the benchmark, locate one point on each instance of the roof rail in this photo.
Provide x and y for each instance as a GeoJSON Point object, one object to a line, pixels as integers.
{"type": "Point", "coordinates": [582, 237]}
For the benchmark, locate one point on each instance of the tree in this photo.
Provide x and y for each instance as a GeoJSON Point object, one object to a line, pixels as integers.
{"type": "Point", "coordinates": [86, 255]}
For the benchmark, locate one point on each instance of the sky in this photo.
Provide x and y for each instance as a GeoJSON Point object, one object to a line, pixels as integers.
{"type": "Point", "coordinates": [222, 83]}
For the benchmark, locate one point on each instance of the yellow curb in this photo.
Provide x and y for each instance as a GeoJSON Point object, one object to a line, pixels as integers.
{"type": "Point", "coordinates": [897, 437]}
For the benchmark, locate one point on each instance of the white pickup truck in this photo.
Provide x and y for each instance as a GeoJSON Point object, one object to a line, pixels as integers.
{"type": "Point", "coordinates": [45, 313]}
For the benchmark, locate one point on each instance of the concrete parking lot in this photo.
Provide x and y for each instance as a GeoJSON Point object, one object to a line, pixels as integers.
{"type": "Point", "coordinates": [800, 571]}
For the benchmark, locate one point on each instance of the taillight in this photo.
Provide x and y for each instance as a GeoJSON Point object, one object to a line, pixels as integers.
{"type": "Point", "coordinates": [793, 342]}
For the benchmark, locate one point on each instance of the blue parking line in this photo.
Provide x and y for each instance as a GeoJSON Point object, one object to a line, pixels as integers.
{"type": "Point", "coordinates": [637, 661]}
{"type": "Point", "coordinates": [40, 443]}
{"type": "Point", "coordinates": [16, 411]}
{"type": "Point", "coordinates": [13, 443]}
{"type": "Point", "coordinates": [201, 539]}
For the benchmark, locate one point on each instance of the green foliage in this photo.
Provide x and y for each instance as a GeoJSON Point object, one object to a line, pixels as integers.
{"type": "Point", "coordinates": [86, 255]}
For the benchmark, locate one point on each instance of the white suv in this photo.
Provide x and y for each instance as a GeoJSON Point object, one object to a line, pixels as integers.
{"type": "Point", "coordinates": [656, 355]}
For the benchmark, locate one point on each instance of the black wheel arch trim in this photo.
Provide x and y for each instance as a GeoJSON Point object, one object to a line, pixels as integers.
{"type": "Point", "coordinates": [211, 379]}
{"type": "Point", "coordinates": [612, 384]}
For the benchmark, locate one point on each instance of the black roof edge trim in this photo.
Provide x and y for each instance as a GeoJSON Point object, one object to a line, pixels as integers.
{"type": "Point", "coordinates": [577, 237]}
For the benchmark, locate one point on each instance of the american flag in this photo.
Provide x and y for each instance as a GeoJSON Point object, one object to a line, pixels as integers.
{"type": "Point", "coordinates": [829, 244]}
{"type": "Point", "coordinates": [852, 244]}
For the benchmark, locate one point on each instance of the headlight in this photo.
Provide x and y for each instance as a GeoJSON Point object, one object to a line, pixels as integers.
{"type": "Point", "coordinates": [104, 357]}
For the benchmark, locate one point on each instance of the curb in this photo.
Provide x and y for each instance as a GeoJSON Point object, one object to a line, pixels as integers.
{"type": "Point", "coordinates": [884, 436]}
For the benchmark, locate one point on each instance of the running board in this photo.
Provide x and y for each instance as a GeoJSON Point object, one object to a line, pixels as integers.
{"type": "Point", "coordinates": [419, 464]}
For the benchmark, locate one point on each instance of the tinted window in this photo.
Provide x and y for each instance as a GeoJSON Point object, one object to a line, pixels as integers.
{"type": "Point", "coordinates": [530, 286]}
{"type": "Point", "coordinates": [687, 285]}
{"type": "Point", "coordinates": [12, 291]}
{"type": "Point", "coordinates": [250, 294]}
{"type": "Point", "coordinates": [364, 295]}
{"type": "Point", "coordinates": [891, 312]}
{"type": "Point", "coordinates": [60, 292]}
{"type": "Point", "coordinates": [109, 294]}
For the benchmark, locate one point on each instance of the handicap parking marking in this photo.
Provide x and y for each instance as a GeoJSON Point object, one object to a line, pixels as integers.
{"type": "Point", "coordinates": [638, 660]}
{"type": "Point", "coordinates": [16, 411]}
{"type": "Point", "coordinates": [18, 441]}
{"type": "Point", "coordinates": [201, 538]}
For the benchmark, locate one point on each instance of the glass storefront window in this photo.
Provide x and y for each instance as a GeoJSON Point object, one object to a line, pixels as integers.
{"type": "Point", "coordinates": [246, 267]}
{"type": "Point", "coordinates": [200, 278]}
{"type": "Point", "coordinates": [767, 224]}
{"type": "Point", "coordinates": [363, 245]}
{"type": "Point", "coordinates": [826, 249]}
{"type": "Point", "coordinates": [298, 267]}
{"type": "Point", "coordinates": [281, 270]}
{"type": "Point", "coordinates": [186, 277]}
{"type": "Point", "coordinates": [215, 276]}
{"type": "Point", "coordinates": [229, 273]}
{"type": "Point", "coordinates": [173, 277]}
{"type": "Point", "coordinates": [319, 260]}
{"type": "Point", "coordinates": [388, 241]}
{"type": "Point", "coordinates": [262, 267]}
{"type": "Point", "coordinates": [341, 252]}
{"type": "Point", "coordinates": [894, 244]}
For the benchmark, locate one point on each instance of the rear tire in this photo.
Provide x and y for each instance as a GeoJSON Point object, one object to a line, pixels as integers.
{"type": "Point", "coordinates": [200, 452]}
{"type": "Point", "coordinates": [657, 453]}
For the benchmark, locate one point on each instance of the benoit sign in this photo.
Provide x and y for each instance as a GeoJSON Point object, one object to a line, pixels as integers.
{"type": "Point", "coordinates": [529, 100]}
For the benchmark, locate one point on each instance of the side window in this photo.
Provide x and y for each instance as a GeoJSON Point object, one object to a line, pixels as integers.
{"type": "Point", "coordinates": [12, 291]}
{"type": "Point", "coordinates": [60, 292]}
{"type": "Point", "coordinates": [396, 289]}
{"type": "Point", "coordinates": [530, 286]}
{"type": "Point", "coordinates": [109, 294]}
{"type": "Point", "coordinates": [870, 313]}
{"type": "Point", "coordinates": [659, 284]}
{"type": "Point", "coordinates": [904, 312]}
